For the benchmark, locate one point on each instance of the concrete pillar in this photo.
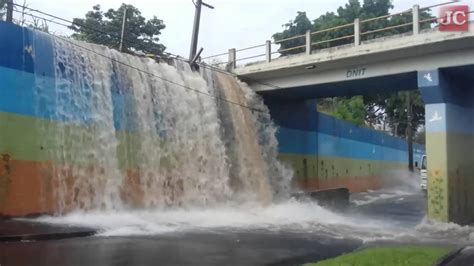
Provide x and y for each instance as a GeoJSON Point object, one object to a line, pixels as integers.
{"type": "Point", "coordinates": [449, 118]}
{"type": "Point", "coordinates": [416, 19]}
{"type": "Point", "coordinates": [231, 64]}
{"type": "Point", "coordinates": [268, 51]}
{"type": "Point", "coordinates": [357, 31]}
{"type": "Point", "coordinates": [308, 42]}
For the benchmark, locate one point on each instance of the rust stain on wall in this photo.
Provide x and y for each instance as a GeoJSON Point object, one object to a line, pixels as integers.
{"type": "Point", "coordinates": [5, 176]}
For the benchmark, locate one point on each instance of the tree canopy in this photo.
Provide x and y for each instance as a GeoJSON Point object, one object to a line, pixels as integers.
{"type": "Point", "coordinates": [104, 28]}
{"type": "Point", "coordinates": [369, 109]}
{"type": "Point", "coordinates": [3, 4]}
{"type": "Point", "coordinates": [345, 15]}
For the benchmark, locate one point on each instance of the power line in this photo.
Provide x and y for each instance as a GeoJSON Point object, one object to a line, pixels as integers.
{"type": "Point", "coordinates": [42, 18]}
{"type": "Point", "coordinates": [177, 57]}
{"type": "Point", "coordinates": [133, 67]}
{"type": "Point", "coordinates": [116, 35]}
{"type": "Point", "coordinates": [162, 78]}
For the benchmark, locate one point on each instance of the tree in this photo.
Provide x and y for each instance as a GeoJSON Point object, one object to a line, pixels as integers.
{"type": "Point", "coordinates": [104, 28]}
{"type": "Point", "coordinates": [351, 109]}
{"type": "Point", "coordinates": [387, 107]}
{"type": "Point", "coordinates": [397, 112]}
{"type": "Point", "coordinates": [3, 9]}
{"type": "Point", "coordinates": [295, 27]}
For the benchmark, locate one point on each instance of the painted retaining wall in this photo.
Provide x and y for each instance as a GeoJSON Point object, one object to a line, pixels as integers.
{"type": "Point", "coordinates": [327, 152]}
{"type": "Point", "coordinates": [48, 128]}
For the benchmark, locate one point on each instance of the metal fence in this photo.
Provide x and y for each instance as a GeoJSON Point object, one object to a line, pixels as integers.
{"type": "Point", "coordinates": [357, 32]}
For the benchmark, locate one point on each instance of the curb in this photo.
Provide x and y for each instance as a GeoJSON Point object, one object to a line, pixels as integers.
{"type": "Point", "coordinates": [51, 236]}
{"type": "Point", "coordinates": [448, 257]}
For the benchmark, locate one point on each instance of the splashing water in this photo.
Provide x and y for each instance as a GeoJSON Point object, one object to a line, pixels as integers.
{"type": "Point", "coordinates": [135, 153]}
{"type": "Point", "coordinates": [285, 217]}
{"type": "Point", "coordinates": [137, 139]}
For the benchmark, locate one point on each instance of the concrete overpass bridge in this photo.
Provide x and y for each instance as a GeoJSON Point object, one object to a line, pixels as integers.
{"type": "Point", "coordinates": [440, 64]}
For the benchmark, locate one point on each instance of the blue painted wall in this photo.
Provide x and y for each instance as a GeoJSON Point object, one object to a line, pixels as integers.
{"type": "Point", "coordinates": [305, 131]}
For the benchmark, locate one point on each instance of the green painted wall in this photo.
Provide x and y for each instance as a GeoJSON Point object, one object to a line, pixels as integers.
{"type": "Point", "coordinates": [321, 169]}
{"type": "Point", "coordinates": [450, 166]}
{"type": "Point", "coordinates": [26, 138]}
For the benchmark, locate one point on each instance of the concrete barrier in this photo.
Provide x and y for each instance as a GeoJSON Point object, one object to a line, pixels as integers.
{"type": "Point", "coordinates": [332, 198]}
{"type": "Point", "coordinates": [22, 230]}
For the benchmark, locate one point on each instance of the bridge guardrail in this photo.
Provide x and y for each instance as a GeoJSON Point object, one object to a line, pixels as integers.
{"type": "Point", "coordinates": [358, 29]}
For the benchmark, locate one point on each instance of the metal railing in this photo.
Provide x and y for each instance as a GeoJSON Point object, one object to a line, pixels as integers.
{"type": "Point", "coordinates": [356, 34]}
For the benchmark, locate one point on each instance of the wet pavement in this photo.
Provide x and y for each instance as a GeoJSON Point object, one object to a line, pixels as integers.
{"type": "Point", "coordinates": [23, 230]}
{"type": "Point", "coordinates": [396, 207]}
{"type": "Point", "coordinates": [224, 246]}
{"type": "Point", "coordinates": [238, 248]}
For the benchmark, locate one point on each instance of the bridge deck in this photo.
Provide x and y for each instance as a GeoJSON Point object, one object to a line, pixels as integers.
{"type": "Point", "coordinates": [394, 58]}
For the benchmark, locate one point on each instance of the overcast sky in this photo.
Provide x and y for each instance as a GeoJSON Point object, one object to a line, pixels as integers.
{"type": "Point", "coordinates": [233, 24]}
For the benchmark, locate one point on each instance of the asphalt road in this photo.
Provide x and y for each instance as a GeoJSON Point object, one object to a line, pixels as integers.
{"type": "Point", "coordinates": [217, 247]}
{"type": "Point", "coordinates": [226, 248]}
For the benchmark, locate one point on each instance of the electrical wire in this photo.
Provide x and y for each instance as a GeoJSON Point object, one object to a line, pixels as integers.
{"type": "Point", "coordinates": [136, 68]}
{"type": "Point", "coordinates": [177, 57]}
{"type": "Point", "coordinates": [129, 41]}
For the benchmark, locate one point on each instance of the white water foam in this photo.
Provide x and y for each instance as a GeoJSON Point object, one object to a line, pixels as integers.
{"type": "Point", "coordinates": [366, 198]}
{"type": "Point", "coordinates": [203, 164]}
{"type": "Point", "coordinates": [285, 217]}
{"type": "Point", "coordinates": [134, 134]}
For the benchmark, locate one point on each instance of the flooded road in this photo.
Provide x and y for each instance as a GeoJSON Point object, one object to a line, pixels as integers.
{"type": "Point", "coordinates": [282, 234]}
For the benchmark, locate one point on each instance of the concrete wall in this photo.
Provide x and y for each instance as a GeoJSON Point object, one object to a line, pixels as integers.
{"type": "Point", "coordinates": [327, 152]}
{"type": "Point", "coordinates": [324, 151]}
{"type": "Point", "coordinates": [33, 161]}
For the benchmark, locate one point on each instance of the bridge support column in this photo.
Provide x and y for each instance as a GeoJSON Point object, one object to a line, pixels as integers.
{"type": "Point", "coordinates": [449, 145]}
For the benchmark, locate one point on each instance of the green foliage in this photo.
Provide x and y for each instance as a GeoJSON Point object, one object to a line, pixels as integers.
{"type": "Point", "coordinates": [330, 20]}
{"type": "Point", "coordinates": [345, 15]}
{"type": "Point", "coordinates": [105, 28]}
{"type": "Point", "coordinates": [3, 7]}
{"type": "Point", "coordinates": [388, 107]}
{"type": "Point", "coordinates": [388, 256]}
{"type": "Point", "coordinates": [393, 108]}
{"type": "Point", "coordinates": [396, 109]}
{"type": "Point", "coordinates": [295, 27]}
{"type": "Point", "coordinates": [350, 109]}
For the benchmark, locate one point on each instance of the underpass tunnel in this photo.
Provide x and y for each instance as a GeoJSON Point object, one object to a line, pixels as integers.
{"type": "Point", "coordinates": [327, 152]}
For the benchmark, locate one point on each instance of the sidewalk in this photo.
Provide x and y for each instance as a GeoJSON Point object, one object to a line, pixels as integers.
{"type": "Point", "coordinates": [15, 230]}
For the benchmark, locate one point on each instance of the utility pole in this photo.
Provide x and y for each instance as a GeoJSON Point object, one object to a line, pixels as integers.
{"type": "Point", "coordinates": [9, 10]}
{"type": "Point", "coordinates": [410, 131]}
{"type": "Point", "coordinates": [197, 20]}
{"type": "Point", "coordinates": [123, 29]}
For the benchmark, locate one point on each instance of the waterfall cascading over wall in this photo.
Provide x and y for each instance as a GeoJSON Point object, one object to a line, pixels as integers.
{"type": "Point", "coordinates": [93, 132]}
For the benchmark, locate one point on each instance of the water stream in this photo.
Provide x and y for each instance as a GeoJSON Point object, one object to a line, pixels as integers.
{"type": "Point", "coordinates": [138, 135]}
{"type": "Point", "coordinates": [151, 148]}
